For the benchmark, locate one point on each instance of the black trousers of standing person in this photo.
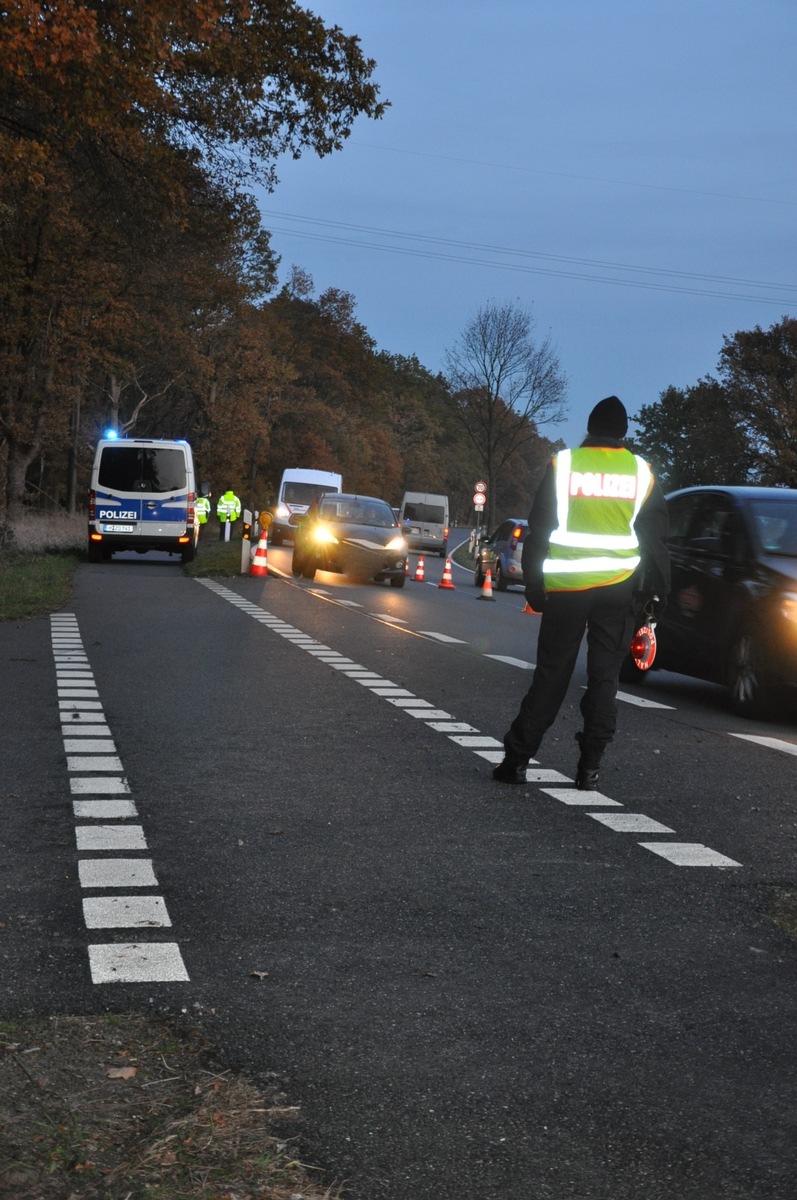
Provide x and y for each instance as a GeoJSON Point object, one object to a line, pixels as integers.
{"type": "Point", "coordinates": [607, 614]}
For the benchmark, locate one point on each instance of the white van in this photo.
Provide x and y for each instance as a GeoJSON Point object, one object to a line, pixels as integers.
{"type": "Point", "coordinates": [299, 487]}
{"type": "Point", "coordinates": [424, 521]}
{"type": "Point", "coordinates": [142, 497]}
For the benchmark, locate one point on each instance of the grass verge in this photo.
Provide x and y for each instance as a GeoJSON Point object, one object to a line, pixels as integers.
{"type": "Point", "coordinates": [128, 1107]}
{"type": "Point", "coordinates": [32, 585]}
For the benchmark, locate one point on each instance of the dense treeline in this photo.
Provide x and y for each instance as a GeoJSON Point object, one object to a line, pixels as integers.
{"type": "Point", "coordinates": [137, 286]}
{"type": "Point", "coordinates": [139, 290]}
{"type": "Point", "coordinates": [739, 427]}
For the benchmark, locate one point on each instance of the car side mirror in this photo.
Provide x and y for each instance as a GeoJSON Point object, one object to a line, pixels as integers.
{"type": "Point", "coordinates": [295, 518]}
{"type": "Point", "coordinates": [204, 489]}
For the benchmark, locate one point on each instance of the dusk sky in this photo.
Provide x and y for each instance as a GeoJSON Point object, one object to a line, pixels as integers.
{"type": "Point", "coordinates": [625, 170]}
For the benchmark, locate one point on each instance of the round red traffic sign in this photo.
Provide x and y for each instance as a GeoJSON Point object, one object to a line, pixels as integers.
{"type": "Point", "coordinates": [480, 487]}
{"type": "Point", "coordinates": [479, 499]}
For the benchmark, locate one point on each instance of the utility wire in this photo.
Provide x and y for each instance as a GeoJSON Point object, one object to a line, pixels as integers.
{"type": "Point", "coordinates": [427, 240]}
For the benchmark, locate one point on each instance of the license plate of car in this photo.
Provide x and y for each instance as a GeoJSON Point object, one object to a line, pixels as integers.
{"type": "Point", "coordinates": [118, 528]}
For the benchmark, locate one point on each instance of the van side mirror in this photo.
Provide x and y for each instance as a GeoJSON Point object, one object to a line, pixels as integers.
{"type": "Point", "coordinates": [204, 489]}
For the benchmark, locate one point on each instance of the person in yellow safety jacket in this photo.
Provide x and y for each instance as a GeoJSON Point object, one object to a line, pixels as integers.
{"type": "Point", "coordinates": [228, 508]}
{"type": "Point", "coordinates": [202, 506]}
{"type": "Point", "coordinates": [595, 553]}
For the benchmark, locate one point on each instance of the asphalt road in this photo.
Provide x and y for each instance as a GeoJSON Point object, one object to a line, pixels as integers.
{"type": "Point", "coordinates": [284, 824]}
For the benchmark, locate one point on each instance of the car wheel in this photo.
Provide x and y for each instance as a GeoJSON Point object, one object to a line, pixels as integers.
{"type": "Point", "coordinates": [309, 568]}
{"type": "Point", "coordinates": [748, 689]}
{"type": "Point", "coordinates": [95, 553]}
{"type": "Point", "coordinates": [500, 580]}
{"type": "Point", "coordinates": [397, 580]}
{"type": "Point", "coordinates": [296, 562]}
{"type": "Point", "coordinates": [188, 553]}
{"type": "Point", "coordinates": [478, 575]}
{"type": "Point", "coordinates": [276, 538]}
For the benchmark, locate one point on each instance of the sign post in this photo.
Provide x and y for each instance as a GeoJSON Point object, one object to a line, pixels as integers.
{"type": "Point", "coordinates": [479, 501]}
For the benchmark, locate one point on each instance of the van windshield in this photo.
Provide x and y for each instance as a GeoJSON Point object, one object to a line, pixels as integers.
{"type": "Point", "coordinates": [142, 469]}
{"type": "Point", "coordinates": [298, 492]}
{"type": "Point", "coordinates": [432, 514]}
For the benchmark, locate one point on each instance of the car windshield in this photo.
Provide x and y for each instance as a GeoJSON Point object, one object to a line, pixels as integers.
{"type": "Point", "coordinates": [355, 510]}
{"type": "Point", "coordinates": [776, 525]}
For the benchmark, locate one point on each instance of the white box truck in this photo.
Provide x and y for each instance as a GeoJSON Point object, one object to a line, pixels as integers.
{"type": "Point", "coordinates": [299, 487]}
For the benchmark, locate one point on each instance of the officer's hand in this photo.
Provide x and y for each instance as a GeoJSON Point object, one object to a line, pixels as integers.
{"type": "Point", "coordinates": [536, 598]}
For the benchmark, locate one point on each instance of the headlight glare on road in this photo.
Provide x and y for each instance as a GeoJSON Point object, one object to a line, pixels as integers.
{"type": "Point", "coordinates": [398, 544]}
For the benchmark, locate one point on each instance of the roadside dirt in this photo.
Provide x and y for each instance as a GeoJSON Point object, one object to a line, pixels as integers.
{"type": "Point", "coordinates": [122, 1107]}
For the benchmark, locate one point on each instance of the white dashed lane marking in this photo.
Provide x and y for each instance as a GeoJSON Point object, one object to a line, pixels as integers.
{"type": "Point", "coordinates": [489, 748]}
{"type": "Point", "coordinates": [96, 770]}
{"type": "Point", "coordinates": [769, 742]}
{"type": "Point", "coordinates": [512, 662]}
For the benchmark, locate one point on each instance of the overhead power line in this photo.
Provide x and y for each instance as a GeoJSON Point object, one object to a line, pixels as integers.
{"type": "Point", "coordinates": [453, 250]}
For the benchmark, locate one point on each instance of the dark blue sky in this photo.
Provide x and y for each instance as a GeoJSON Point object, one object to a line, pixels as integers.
{"type": "Point", "coordinates": [623, 169]}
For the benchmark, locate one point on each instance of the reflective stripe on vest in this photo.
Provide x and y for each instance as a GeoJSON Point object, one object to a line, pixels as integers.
{"type": "Point", "coordinates": [599, 493]}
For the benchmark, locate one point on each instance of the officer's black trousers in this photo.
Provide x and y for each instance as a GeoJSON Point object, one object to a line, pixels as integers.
{"type": "Point", "coordinates": [607, 615]}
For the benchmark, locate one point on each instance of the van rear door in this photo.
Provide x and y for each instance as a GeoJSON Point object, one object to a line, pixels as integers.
{"type": "Point", "coordinates": [142, 491]}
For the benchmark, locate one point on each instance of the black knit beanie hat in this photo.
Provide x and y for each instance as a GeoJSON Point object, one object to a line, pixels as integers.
{"type": "Point", "coordinates": [608, 419]}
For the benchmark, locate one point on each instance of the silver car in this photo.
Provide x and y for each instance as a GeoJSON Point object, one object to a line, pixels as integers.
{"type": "Point", "coordinates": [500, 554]}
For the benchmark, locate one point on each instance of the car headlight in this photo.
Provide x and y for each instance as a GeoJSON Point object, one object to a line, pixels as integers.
{"type": "Point", "coordinates": [788, 606]}
{"type": "Point", "coordinates": [324, 536]}
{"type": "Point", "coordinates": [282, 512]}
{"type": "Point", "coordinates": [398, 544]}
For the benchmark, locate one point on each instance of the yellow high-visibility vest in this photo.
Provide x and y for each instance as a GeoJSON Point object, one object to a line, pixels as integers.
{"type": "Point", "coordinates": [599, 492]}
{"type": "Point", "coordinates": [228, 507]}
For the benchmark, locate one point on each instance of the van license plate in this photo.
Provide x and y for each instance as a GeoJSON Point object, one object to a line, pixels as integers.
{"type": "Point", "coordinates": [118, 528]}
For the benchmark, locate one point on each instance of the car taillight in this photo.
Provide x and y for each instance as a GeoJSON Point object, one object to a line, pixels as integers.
{"type": "Point", "coordinates": [517, 534]}
{"type": "Point", "coordinates": [191, 506]}
{"type": "Point", "coordinates": [92, 504]}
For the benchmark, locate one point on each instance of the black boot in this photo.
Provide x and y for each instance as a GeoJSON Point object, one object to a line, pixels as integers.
{"type": "Point", "coordinates": [510, 771]}
{"type": "Point", "coordinates": [588, 769]}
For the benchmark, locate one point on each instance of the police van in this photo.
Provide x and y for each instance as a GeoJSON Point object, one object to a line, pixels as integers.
{"type": "Point", "coordinates": [142, 497]}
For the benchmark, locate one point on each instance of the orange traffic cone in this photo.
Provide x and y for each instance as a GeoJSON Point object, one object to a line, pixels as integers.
{"type": "Point", "coordinates": [259, 564]}
{"type": "Point", "coordinates": [420, 574]}
{"type": "Point", "coordinates": [527, 608]}
{"type": "Point", "coordinates": [487, 587]}
{"type": "Point", "coordinates": [447, 581]}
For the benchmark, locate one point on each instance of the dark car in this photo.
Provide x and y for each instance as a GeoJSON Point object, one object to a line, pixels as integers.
{"type": "Point", "coordinates": [350, 535]}
{"type": "Point", "coordinates": [732, 611]}
{"type": "Point", "coordinates": [500, 555]}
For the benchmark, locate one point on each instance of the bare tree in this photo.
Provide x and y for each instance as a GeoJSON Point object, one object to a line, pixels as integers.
{"type": "Point", "coordinates": [504, 385]}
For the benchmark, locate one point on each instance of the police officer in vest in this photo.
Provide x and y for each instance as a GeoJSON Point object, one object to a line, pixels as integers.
{"type": "Point", "coordinates": [594, 555]}
{"type": "Point", "coordinates": [202, 509]}
{"type": "Point", "coordinates": [228, 509]}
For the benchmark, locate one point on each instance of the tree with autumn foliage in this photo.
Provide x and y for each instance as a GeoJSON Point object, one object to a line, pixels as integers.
{"type": "Point", "coordinates": [128, 135]}
{"type": "Point", "coordinates": [737, 428]}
